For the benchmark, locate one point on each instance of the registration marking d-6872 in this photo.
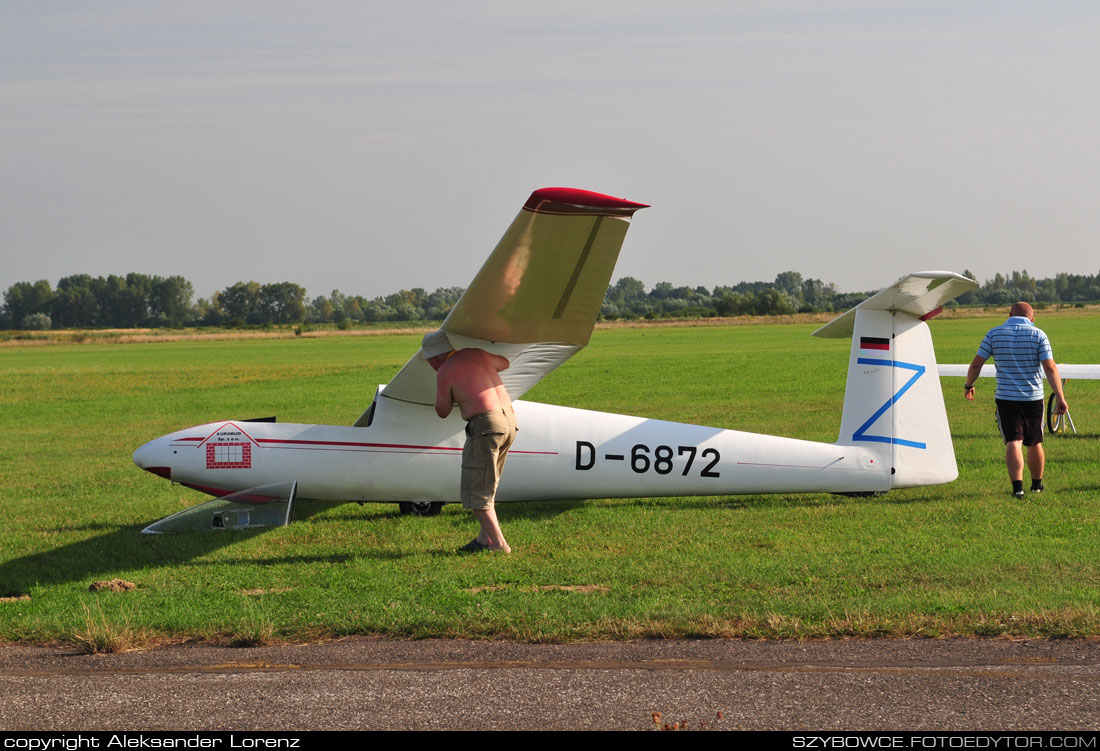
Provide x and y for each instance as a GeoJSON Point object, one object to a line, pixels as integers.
{"type": "Point", "coordinates": [660, 459]}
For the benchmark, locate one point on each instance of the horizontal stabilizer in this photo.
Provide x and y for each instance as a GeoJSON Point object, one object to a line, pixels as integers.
{"type": "Point", "coordinates": [920, 294]}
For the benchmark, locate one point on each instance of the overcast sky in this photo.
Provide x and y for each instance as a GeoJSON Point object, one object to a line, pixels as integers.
{"type": "Point", "coordinates": [374, 146]}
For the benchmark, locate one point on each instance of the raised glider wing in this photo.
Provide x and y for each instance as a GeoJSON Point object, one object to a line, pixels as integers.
{"type": "Point", "coordinates": [1055, 423]}
{"type": "Point", "coordinates": [535, 302]}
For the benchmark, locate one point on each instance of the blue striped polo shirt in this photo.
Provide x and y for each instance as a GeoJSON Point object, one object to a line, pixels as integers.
{"type": "Point", "coordinates": [1018, 348]}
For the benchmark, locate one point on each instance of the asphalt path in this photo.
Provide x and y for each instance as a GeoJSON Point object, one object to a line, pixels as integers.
{"type": "Point", "coordinates": [372, 684]}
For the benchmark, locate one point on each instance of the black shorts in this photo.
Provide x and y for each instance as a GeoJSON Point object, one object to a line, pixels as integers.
{"type": "Point", "coordinates": [1020, 421]}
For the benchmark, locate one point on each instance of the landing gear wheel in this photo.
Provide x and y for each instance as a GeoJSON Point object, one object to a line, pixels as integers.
{"type": "Point", "coordinates": [420, 508]}
{"type": "Point", "coordinates": [1055, 423]}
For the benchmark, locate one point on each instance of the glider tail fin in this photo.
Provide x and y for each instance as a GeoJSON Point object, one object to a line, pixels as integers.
{"type": "Point", "coordinates": [893, 401]}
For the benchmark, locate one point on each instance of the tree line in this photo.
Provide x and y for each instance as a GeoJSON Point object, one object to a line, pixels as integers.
{"type": "Point", "coordinates": [139, 300]}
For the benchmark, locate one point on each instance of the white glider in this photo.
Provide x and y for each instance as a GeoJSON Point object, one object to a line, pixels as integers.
{"type": "Point", "coordinates": [535, 302]}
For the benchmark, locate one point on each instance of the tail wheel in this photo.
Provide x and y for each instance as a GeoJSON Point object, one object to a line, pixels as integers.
{"type": "Point", "coordinates": [420, 508]}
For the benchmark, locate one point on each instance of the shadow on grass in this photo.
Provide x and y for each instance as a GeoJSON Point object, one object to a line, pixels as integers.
{"type": "Point", "coordinates": [547, 509]}
{"type": "Point", "coordinates": [534, 511]}
{"type": "Point", "coordinates": [284, 560]}
{"type": "Point", "coordinates": [126, 548]}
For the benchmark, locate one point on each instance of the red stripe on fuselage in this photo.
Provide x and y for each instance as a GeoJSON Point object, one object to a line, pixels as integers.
{"type": "Point", "coordinates": [300, 442]}
{"type": "Point", "coordinates": [296, 442]}
{"type": "Point", "coordinates": [356, 444]}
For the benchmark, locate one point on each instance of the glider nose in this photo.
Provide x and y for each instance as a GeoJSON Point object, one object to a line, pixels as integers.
{"type": "Point", "coordinates": [149, 457]}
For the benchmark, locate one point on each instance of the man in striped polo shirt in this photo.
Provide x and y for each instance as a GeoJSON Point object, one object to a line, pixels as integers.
{"type": "Point", "coordinates": [1022, 354]}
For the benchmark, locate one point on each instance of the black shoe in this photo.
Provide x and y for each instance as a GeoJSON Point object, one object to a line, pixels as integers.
{"type": "Point", "coordinates": [1018, 494]}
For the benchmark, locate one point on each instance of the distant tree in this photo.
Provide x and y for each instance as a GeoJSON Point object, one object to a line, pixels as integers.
{"type": "Point", "coordinates": [818, 294]}
{"type": "Point", "coordinates": [208, 313]}
{"type": "Point", "coordinates": [143, 300]}
{"type": "Point", "coordinates": [283, 302]}
{"type": "Point", "coordinates": [1024, 282]}
{"type": "Point", "coordinates": [967, 298]}
{"type": "Point", "coordinates": [170, 300]}
{"type": "Point", "coordinates": [240, 303]}
{"type": "Point", "coordinates": [789, 282]}
{"type": "Point", "coordinates": [23, 298]}
{"type": "Point", "coordinates": [407, 312]}
{"type": "Point", "coordinates": [75, 304]}
{"type": "Point", "coordinates": [773, 302]}
{"type": "Point", "coordinates": [377, 310]}
{"type": "Point", "coordinates": [320, 310]}
{"type": "Point", "coordinates": [36, 322]}
{"type": "Point", "coordinates": [627, 290]}
{"type": "Point", "coordinates": [123, 301]}
{"type": "Point", "coordinates": [661, 291]}
{"type": "Point", "coordinates": [730, 303]}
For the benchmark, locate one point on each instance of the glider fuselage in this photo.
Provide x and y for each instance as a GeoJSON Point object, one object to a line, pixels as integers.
{"type": "Point", "coordinates": [560, 453]}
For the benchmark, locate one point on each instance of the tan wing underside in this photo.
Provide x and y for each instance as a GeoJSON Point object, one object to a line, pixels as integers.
{"type": "Point", "coordinates": [536, 299]}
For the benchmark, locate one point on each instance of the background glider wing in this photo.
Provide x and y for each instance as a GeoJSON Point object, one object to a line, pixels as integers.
{"type": "Point", "coordinates": [920, 294]}
{"type": "Point", "coordinates": [1056, 423]}
{"type": "Point", "coordinates": [989, 370]}
{"type": "Point", "coordinates": [537, 297]}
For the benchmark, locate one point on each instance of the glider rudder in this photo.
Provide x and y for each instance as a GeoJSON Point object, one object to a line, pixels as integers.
{"type": "Point", "coordinates": [893, 403]}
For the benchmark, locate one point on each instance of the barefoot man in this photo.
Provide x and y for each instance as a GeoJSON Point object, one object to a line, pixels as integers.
{"type": "Point", "coordinates": [469, 379]}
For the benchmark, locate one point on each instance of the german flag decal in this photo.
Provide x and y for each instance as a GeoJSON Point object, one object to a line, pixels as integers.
{"type": "Point", "coordinates": [874, 342]}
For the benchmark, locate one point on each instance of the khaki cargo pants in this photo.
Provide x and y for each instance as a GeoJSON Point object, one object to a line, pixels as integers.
{"type": "Point", "coordinates": [488, 438]}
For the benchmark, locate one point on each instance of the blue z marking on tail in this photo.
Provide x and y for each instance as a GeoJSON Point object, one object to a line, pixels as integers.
{"type": "Point", "coordinates": [861, 431]}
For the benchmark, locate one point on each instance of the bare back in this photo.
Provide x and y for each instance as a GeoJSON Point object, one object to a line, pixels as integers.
{"type": "Point", "coordinates": [469, 379]}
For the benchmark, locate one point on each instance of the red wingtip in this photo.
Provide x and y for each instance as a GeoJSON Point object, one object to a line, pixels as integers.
{"type": "Point", "coordinates": [560, 200]}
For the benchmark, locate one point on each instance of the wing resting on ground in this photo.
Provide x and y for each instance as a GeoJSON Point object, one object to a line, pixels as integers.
{"type": "Point", "coordinates": [921, 294]}
{"type": "Point", "coordinates": [536, 299]}
{"type": "Point", "coordinates": [989, 370]}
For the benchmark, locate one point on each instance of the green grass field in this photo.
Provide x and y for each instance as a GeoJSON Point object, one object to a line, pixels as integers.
{"type": "Point", "coordinates": [963, 558]}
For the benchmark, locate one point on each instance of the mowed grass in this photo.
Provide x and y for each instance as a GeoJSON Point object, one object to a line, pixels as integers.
{"type": "Point", "coordinates": [963, 558]}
